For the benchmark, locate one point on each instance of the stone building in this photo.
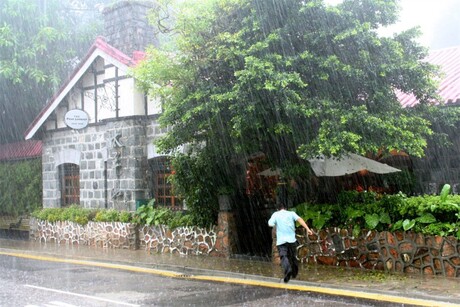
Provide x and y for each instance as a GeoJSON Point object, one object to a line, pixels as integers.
{"type": "Point", "coordinates": [98, 129]}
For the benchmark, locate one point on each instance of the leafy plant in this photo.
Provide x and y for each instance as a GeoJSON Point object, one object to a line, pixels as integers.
{"type": "Point", "coordinates": [149, 215]}
{"type": "Point", "coordinates": [144, 215]}
{"type": "Point", "coordinates": [313, 215]}
{"type": "Point", "coordinates": [430, 214]}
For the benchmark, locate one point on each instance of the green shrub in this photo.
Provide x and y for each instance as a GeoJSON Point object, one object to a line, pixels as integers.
{"type": "Point", "coordinates": [110, 215]}
{"type": "Point", "coordinates": [74, 213]}
{"type": "Point", "coordinates": [428, 214]}
{"type": "Point", "coordinates": [77, 214]}
{"type": "Point", "coordinates": [145, 215]}
{"type": "Point", "coordinates": [48, 214]}
{"type": "Point", "coordinates": [125, 217]}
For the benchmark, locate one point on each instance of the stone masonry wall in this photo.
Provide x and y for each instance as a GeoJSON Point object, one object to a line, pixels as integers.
{"type": "Point", "coordinates": [182, 240]}
{"type": "Point", "coordinates": [403, 252]}
{"type": "Point", "coordinates": [108, 235]}
{"type": "Point", "coordinates": [127, 27]}
{"type": "Point", "coordinates": [120, 147]}
{"type": "Point", "coordinates": [158, 239]}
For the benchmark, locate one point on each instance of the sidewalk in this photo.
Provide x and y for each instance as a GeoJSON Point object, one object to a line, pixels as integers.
{"type": "Point", "coordinates": [379, 286]}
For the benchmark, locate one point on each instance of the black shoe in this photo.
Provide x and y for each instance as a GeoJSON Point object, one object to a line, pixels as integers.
{"type": "Point", "coordinates": [287, 277]}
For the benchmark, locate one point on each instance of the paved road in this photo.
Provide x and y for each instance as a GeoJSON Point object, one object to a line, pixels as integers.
{"type": "Point", "coordinates": [28, 282]}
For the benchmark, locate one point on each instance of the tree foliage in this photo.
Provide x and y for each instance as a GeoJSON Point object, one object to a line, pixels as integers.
{"type": "Point", "coordinates": [40, 43]}
{"type": "Point", "coordinates": [21, 187]}
{"type": "Point", "coordinates": [291, 78]}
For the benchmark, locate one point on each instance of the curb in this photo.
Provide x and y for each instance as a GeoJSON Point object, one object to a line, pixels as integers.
{"type": "Point", "coordinates": [173, 271]}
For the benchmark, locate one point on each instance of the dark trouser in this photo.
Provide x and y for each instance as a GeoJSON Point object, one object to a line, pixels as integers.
{"type": "Point", "coordinates": [288, 258]}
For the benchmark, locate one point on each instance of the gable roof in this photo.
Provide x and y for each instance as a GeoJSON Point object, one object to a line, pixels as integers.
{"type": "Point", "coordinates": [449, 87]}
{"type": "Point", "coordinates": [20, 150]}
{"type": "Point", "coordinates": [99, 49]}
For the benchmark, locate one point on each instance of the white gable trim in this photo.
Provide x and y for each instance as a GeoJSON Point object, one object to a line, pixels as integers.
{"type": "Point", "coordinates": [71, 83]}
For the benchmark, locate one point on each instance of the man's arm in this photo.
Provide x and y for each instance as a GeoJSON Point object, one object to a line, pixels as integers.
{"type": "Point", "coordinates": [271, 222]}
{"type": "Point", "coordinates": [304, 225]}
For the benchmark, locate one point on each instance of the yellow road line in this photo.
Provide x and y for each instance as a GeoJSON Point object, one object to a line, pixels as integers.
{"type": "Point", "coordinates": [330, 291]}
{"type": "Point", "coordinates": [96, 264]}
{"type": "Point", "coordinates": [250, 282]}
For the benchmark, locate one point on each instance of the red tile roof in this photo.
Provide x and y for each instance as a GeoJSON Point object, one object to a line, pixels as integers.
{"type": "Point", "coordinates": [20, 150]}
{"type": "Point", "coordinates": [115, 53]}
{"type": "Point", "coordinates": [449, 87]}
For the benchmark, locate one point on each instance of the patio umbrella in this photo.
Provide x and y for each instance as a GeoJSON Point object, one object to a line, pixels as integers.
{"type": "Point", "coordinates": [348, 164]}
{"type": "Point", "coordinates": [271, 172]}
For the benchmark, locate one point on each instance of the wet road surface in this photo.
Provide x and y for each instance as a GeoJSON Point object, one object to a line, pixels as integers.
{"type": "Point", "coordinates": [28, 282]}
{"type": "Point", "coordinates": [314, 282]}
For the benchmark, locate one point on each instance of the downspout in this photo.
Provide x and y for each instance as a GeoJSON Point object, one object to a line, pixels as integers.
{"type": "Point", "coordinates": [105, 154]}
{"type": "Point", "coordinates": [106, 199]}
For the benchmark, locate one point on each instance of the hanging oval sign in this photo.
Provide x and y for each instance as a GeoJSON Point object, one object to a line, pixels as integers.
{"type": "Point", "coordinates": [76, 119]}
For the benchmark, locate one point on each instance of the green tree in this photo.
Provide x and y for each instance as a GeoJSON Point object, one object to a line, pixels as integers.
{"type": "Point", "coordinates": [40, 43]}
{"type": "Point", "coordinates": [21, 186]}
{"type": "Point", "coordinates": [291, 78]}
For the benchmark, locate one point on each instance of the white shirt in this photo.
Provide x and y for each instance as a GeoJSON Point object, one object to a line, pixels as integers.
{"type": "Point", "coordinates": [285, 226]}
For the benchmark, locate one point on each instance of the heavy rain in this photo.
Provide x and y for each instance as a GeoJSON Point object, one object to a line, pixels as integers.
{"type": "Point", "coordinates": [148, 150]}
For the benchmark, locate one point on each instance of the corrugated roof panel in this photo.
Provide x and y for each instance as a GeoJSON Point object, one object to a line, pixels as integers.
{"type": "Point", "coordinates": [20, 150]}
{"type": "Point", "coordinates": [449, 87]}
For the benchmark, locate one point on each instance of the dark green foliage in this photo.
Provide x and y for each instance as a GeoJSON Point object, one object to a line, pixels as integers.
{"type": "Point", "coordinates": [195, 179]}
{"type": "Point", "coordinates": [39, 44]}
{"type": "Point", "coordinates": [428, 214]}
{"type": "Point", "coordinates": [403, 181]}
{"type": "Point", "coordinates": [20, 187]}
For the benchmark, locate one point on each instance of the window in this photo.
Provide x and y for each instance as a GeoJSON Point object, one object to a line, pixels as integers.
{"type": "Point", "coordinates": [69, 177]}
{"type": "Point", "coordinates": [161, 188]}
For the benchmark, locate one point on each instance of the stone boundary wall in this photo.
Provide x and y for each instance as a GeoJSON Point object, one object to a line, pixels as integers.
{"type": "Point", "coordinates": [214, 241]}
{"type": "Point", "coordinates": [107, 235]}
{"type": "Point", "coordinates": [182, 240]}
{"type": "Point", "coordinates": [404, 252]}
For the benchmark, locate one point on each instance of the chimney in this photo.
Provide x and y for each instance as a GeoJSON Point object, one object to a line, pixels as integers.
{"type": "Point", "coordinates": [127, 28]}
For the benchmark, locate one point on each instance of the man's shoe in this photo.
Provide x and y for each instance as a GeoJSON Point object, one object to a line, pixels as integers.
{"type": "Point", "coordinates": [287, 277]}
